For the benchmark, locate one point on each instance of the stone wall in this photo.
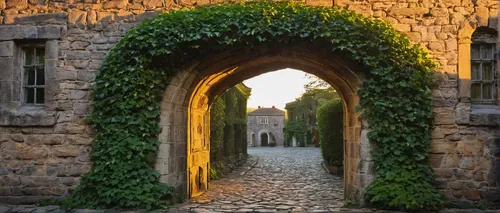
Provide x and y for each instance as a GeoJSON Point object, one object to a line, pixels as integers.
{"type": "Point", "coordinates": [44, 150]}
{"type": "Point", "coordinates": [274, 126]}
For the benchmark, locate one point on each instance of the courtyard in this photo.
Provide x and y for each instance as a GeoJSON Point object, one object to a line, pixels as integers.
{"type": "Point", "coordinates": [284, 178]}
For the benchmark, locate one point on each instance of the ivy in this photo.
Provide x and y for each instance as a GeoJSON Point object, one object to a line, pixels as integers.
{"type": "Point", "coordinates": [228, 127]}
{"type": "Point", "coordinates": [295, 128]}
{"type": "Point", "coordinates": [395, 97]}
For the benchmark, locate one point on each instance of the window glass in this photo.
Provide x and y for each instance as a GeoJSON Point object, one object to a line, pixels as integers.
{"type": "Point", "coordinates": [34, 75]}
{"type": "Point", "coordinates": [483, 66]}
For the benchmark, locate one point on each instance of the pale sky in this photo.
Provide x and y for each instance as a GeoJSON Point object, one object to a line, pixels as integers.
{"type": "Point", "coordinates": [276, 88]}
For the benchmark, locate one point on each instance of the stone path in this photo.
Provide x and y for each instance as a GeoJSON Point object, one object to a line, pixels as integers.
{"type": "Point", "coordinates": [283, 179]}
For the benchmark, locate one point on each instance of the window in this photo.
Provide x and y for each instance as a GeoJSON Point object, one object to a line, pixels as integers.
{"type": "Point", "coordinates": [263, 120]}
{"type": "Point", "coordinates": [34, 75]}
{"type": "Point", "coordinates": [483, 66]}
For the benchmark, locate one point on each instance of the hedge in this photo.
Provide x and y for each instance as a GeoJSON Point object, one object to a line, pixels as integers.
{"type": "Point", "coordinates": [330, 127]}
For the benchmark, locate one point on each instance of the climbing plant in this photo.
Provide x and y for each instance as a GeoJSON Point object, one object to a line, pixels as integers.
{"type": "Point", "coordinates": [295, 128]}
{"type": "Point", "coordinates": [395, 97]}
{"type": "Point", "coordinates": [228, 126]}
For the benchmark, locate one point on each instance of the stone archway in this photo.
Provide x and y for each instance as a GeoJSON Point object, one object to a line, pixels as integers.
{"type": "Point", "coordinates": [194, 72]}
{"type": "Point", "coordinates": [191, 92]}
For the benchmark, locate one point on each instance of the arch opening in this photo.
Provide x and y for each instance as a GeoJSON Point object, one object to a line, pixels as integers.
{"type": "Point", "coordinates": [197, 87]}
{"type": "Point", "coordinates": [264, 139]}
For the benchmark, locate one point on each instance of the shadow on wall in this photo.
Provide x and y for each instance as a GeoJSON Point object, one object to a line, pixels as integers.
{"type": "Point", "coordinates": [494, 174]}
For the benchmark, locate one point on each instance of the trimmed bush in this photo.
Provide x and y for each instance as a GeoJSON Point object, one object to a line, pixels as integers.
{"type": "Point", "coordinates": [331, 127]}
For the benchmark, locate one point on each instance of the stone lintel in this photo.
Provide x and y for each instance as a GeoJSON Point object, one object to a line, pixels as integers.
{"type": "Point", "coordinates": [26, 117]}
{"type": "Point", "coordinates": [10, 32]}
{"type": "Point", "coordinates": [37, 19]}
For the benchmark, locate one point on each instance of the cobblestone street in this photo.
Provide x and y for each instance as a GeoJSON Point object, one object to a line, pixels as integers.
{"type": "Point", "coordinates": [283, 179]}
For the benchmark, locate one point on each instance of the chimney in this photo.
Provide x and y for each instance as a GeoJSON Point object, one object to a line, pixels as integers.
{"type": "Point", "coordinates": [274, 107]}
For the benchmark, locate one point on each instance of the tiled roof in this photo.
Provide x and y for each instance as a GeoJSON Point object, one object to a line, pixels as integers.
{"type": "Point", "coordinates": [267, 111]}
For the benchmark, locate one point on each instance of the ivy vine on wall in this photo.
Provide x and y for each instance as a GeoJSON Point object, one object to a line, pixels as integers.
{"type": "Point", "coordinates": [395, 97]}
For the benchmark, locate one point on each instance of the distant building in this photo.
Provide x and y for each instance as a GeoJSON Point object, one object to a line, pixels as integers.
{"type": "Point", "coordinates": [265, 127]}
{"type": "Point", "coordinates": [304, 111]}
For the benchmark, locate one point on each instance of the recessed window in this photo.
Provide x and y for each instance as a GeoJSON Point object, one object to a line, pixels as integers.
{"type": "Point", "coordinates": [483, 66]}
{"type": "Point", "coordinates": [34, 75]}
{"type": "Point", "coordinates": [264, 120]}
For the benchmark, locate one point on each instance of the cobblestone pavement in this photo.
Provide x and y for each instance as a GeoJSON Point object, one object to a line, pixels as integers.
{"type": "Point", "coordinates": [283, 179]}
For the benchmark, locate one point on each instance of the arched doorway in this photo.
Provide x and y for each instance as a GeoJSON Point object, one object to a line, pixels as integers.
{"type": "Point", "coordinates": [253, 140]}
{"type": "Point", "coordinates": [264, 139]}
{"type": "Point", "coordinates": [198, 86]}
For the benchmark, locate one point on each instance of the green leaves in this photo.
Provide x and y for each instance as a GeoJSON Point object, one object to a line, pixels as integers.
{"type": "Point", "coordinates": [395, 97]}
{"type": "Point", "coordinates": [331, 130]}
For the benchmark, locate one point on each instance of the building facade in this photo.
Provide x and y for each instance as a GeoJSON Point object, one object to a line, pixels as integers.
{"type": "Point", "coordinates": [303, 111]}
{"type": "Point", "coordinates": [265, 127]}
{"type": "Point", "coordinates": [51, 51]}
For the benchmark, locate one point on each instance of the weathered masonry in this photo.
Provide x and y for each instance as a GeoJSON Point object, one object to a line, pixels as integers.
{"type": "Point", "coordinates": [50, 52]}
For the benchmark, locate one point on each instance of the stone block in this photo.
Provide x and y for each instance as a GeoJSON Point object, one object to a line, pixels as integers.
{"type": "Point", "coordinates": [66, 151]}
{"type": "Point", "coordinates": [38, 118]}
{"type": "Point", "coordinates": [444, 118]}
{"type": "Point", "coordinates": [116, 4]}
{"type": "Point", "coordinates": [17, 4]}
{"type": "Point", "coordinates": [36, 19]}
{"type": "Point", "coordinates": [6, 49]}
{"type": "Point", "coordinates": [485, 117]}
{"type": "Point", "coordinates": [9, 32]}
{"type": "Point", "coordinates": [7, 73]}
{"type": "Point", "coordinates": [482, 15]}
{"type": "Point", "coordinates": [77, 94]}
{"type": "Point", "coordinates": [34, 139]}
{"type": "Point", "coordinates": [38, 2]}
{"type": "Point", "coordinates": [462, 113]}
{"type": "Point", "coordinates": [33, 153]}
{"type": "Point", "coordinates": [69, 128]}
{"type": "Point", "coordinates": [472, 195]}
{"type": "Point", "coordinates": [443, 147]}
{"type": "Point", "coordinates": [88, 76]}
{"type": "Point", "coordinates": [36, 181]}
{"type": "Point", "coordinates": [152, 4]}
{"type": "Point", "coordinates": [77, 17]}
{"type": "Point", "coordinates": [81, 108]}
{"type": "Point", "coordinates": [53, 139]}
{"type": "Point", "coordinates": [66, 74]}
{"type": "Point", "coordinates": [148, 15]}
{"type": "Point", "coordinates": [79, 45]}
{"type": "Point", "coordinates": [77, 55]}
{"type": "Point", "coordinates": [408, 11]}
{"type": "Point", "coordinates": [327, 3]}
{"type": "Point", "coordinates": [49, 32]}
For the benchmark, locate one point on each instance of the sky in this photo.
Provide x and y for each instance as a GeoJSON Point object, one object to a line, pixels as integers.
{"type": "Point", "coordinates": [276, 88]}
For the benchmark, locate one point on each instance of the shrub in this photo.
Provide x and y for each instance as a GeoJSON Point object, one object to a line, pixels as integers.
{"type": "Point", "coordinates": [330, 127]}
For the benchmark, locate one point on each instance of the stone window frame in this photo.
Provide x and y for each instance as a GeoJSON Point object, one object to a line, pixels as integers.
{"type": "Point", "coordinates": [263, 120]}
{"type": "Point", "coordinates": [482, 43]}
{"type": "Point", "coordinates": [464, 64]}
{"type": "Point", "coordinates": [12, 110]}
